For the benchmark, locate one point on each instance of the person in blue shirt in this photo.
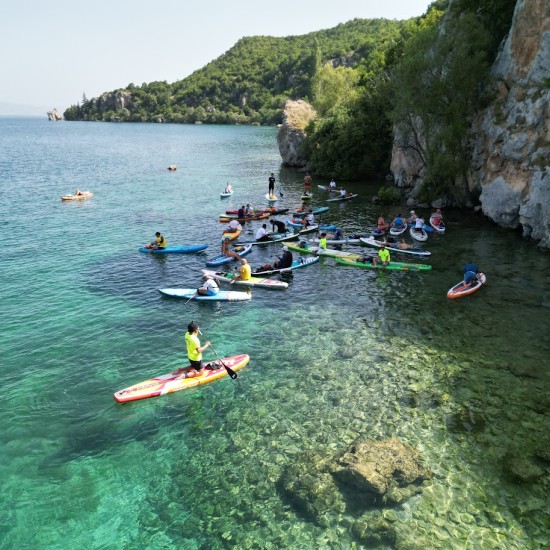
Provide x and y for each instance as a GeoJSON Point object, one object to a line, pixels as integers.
{"type": "Point", "coordinates": [471, 273]}
{"type": "Point", "coordinates": [398, 222]}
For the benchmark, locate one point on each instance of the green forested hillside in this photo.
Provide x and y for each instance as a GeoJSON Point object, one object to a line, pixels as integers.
{"type": "Point", "coordinates": [250, 83]}
{"type": "Point", "coordinates": [425, 77]}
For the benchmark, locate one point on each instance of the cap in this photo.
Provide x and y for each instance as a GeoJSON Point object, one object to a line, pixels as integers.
{"type": "Point", "coordinates": [412, 211]}
{"type": "Point", "coordinates": [207, 276]}
{"type": "Point", "coordinates": [285, 248]}
{"type": "Point", "coordinates": [192, 327]}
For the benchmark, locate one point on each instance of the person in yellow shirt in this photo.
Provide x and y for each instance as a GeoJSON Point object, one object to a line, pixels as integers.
{"type": "Point", "coordinates": [194, 350]}
{"type": "Point", "coordinates": [245, 272]}
{"type": "Point", "coordinates": [159, 243]}
{"type": "Point", "coordinates": [383, 256]}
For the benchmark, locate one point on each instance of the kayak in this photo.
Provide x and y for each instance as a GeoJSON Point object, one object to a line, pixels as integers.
{"type": "Point", "coordinates": [225, 218]}
{"type": "Point", "coordinates": [370, 241]}
{"type": "Point", "coordinates": [398, 229]}
{"type": "Point", "coordinates": [439, 227]}
{"type": "Point", "coordinates": [83, 195]}
{"type": "Point", "coordinates": [276, 238]}
{"type": "Point", "coordinates": [271, 198]}
{"type": "Point", "coordinates": [418, 235]}
{"type": "Point", "coordinates": [260, 282]}
{"type": "Point", "coordinates": [346, 198]}
{"type": "Point", "coordinates": [220, 296]}
{"type": "Point", "coordinates": [392, 266]}
{"type": "Point", "coordinates": [315, 211]}
{"type": "Point", "coordinates": [231, 235]}
{"type": "Point", "coordinates": [324, 252]}
{"type": "Point", "coordinates": [173, 381]}
{"type": "Point", "coordinates": [186, 249]}
{"type": "Point", "coordinates": [464, 289]}
{"type": "Point", "coordinates": [296, 264]}
{"type": "Point", "coordinates": [241, 250]}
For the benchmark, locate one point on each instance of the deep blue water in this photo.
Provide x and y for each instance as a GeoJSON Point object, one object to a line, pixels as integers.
{"type": "Point", "coordinates": [340, 354]}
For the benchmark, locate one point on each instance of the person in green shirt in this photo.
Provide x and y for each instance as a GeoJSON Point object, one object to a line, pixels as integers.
{"type": "Point", "coordinates": [194, 350]}
{"type": "Point", "coordinates": [322, 242]}
{"type": "Point", "coordinates": [383, 256]}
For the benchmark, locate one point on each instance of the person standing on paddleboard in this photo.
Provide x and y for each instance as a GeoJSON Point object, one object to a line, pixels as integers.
{"type": "Point", "coordinates": [271, 188]}
{"type": "Point", "coordinates": [194, 350]}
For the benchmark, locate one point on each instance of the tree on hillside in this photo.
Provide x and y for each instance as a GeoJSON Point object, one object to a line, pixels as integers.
{"type": "Point", "coordinates": [437, 87]}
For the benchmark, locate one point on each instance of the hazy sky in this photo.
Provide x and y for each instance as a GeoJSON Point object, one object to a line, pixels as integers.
{"type": "Point", "coordinates": [53, 51]}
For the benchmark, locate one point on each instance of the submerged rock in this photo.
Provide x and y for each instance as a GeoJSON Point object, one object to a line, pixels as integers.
{"type": "Point", "coordinates": [309, 487]}
{"type": "Point", "coordinates": [387, 471]}
{"type": "Point", "coordinates": [521, 468]}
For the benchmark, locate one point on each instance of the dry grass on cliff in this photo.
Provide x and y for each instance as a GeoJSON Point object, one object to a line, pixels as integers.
{"type": "Point", "coordinates": [298, 114]}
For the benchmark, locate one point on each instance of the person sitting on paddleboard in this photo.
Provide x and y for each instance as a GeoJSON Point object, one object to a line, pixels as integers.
{"type": "Point", "coordinates": [437, 217]}
{"type": "Point", "coordinates": [281, 227]}
{"type": "Point", "coordinates": [412, 217]}
{"type": "Point", "coordinates": [398, 222]}
{"type": "Point", "coordinates": [159, 243]}
{"type": "Point", "coordinates": [285, 260]}
{"type": "Point", "coordinates": [419, 224]}
{"type": "Point", "coordinates": [471, 274]}
{"type": "Point", "coordinates": [209, 287]}
{"type": "Point", "coordinates": [402, 245]}
{"type": "Point", "coordinates": [262, 235]}
{"type": "Point", "coordinates": [78, 192]}
{"type": "Point", "coordinates": [309, 219]}
{"type": "Point", "coordinates": [332, 184]}
{"type": "Point", "coordinates": [383, 256]}
{"type": "Point", "coordinates": [194, 350]}
{"type": "Point", "coordinates": [245, 271]}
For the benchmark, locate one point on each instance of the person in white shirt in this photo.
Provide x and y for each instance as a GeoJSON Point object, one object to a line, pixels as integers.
{"type": "Point", "coordinates": [419, 224]}
{"type": "Point", "coordinates": [343, 193]}
{"type": "Point", "coordinates": [262, 234]}
{"type": "Point", "coordinates": [332, 184]}
{"type": "Point", "coordinates": [234, 225]}
{"type": "Point", "coordinates": [309, 219]}
{"type": "Point", "coordinates": [209, 287]}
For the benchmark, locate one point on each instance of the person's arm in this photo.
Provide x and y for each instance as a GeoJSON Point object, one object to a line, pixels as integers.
{"type": "Point", "coordinates": [202, 348]}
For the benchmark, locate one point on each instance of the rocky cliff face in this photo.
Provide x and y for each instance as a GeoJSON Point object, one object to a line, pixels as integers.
{"type": "Point", "coordinates": [297, 116]}
{"type": "Point", "coordinates": [511, 152]}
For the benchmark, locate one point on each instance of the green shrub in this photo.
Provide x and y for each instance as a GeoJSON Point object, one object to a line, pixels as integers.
{"type": "Point", "coordinates": [389, 195]}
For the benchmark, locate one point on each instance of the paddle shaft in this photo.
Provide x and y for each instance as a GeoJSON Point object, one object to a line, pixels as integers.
{"type": "Point", "coordinates": [191, 298]}
{"type": "Point", "coordinates": [232, 374]}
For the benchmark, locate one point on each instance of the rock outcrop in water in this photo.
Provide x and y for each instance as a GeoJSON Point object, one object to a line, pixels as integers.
{"type": "Point", "coordinates": [297, 115]}
{"type": "Point", "coordinates": [54, 115]}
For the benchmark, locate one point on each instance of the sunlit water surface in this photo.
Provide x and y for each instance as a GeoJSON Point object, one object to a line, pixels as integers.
{"type": "Point", "coordinates": [341, 354]}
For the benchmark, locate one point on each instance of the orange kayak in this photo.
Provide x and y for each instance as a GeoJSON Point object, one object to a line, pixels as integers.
{"type": "Point", "coordinates": [176, 381]}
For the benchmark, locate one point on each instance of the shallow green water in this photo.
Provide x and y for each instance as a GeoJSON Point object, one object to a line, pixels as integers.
{"type": "Point", "coordinates": [340, 354]}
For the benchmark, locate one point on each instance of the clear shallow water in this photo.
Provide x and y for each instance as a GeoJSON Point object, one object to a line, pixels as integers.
{"type": "Point", "coordinates": [342, 353]}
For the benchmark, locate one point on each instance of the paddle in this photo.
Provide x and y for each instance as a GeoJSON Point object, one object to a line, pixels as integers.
{"type": "Point", "coordinates": [232, 374]}
{"type": "Point", "coordinates": [191, 298]}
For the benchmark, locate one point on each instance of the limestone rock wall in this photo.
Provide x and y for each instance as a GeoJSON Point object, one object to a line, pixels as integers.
{"type": "Point", "coordinates": [297, 115]}
{"type": "Point", "coordinates": [511, 151]}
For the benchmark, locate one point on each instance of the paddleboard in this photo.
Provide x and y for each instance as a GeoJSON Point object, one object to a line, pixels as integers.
{"type": "Point", "coordinates": [370, 241]}
{"type": "Point", "coordinates": [271, 198]}
{"type": "Point", "coordinates": [392, 266]}
{"type": "Point", "coordinates": [185, 249]}
{"type": "Point", "coordinates": [175, 381]}
{"type": "Point", "coordinates": [418, 235]}
{"type": "Point", "coordinates": [231, 235]}
{"type": "Point", "coordinates": [317, 251]}
{"type": "Point", "coordinates": [241, 250]}
{"type": "Point", "coordinates": [439, 227]}
{"type": "Point", "coordinates": [260, 282]}
{"type": "Point", "coordinates": [296, 264]}
{"type": "Point", "coordinates": [220, 296]}
{"type": "Point", "coordinates": [346, 198]}
{"type": "Point", "coordinates": [84, 195]}
{"type": "Point", "coordinates": [464, 289]}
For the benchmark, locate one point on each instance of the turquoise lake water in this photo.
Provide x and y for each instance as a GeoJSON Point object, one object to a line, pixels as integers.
{"type": "Point", "coordinates": [340, 354]}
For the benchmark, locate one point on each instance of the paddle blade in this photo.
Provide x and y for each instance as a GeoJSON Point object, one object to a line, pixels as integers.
{"type": "Point", "coordinates": [232, 374]}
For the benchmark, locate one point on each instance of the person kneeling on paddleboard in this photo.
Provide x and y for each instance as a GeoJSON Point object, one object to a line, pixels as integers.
{"type": "Point", "coordinates": [209, 287]}
{"type": "Point", "coordinates": [285, 260]}
{"type": "Point", "coordinates": [194, 350]}
{"type": "Point", "coordinates": [159, 243]}
{"type": "Point", "coordinates": [471, 274]}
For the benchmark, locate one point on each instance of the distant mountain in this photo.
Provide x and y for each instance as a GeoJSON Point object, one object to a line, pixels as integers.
{"type": "Point", "coordinates": [17, 109]}
{"type": "Point", "coordinates": [250, 83]}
